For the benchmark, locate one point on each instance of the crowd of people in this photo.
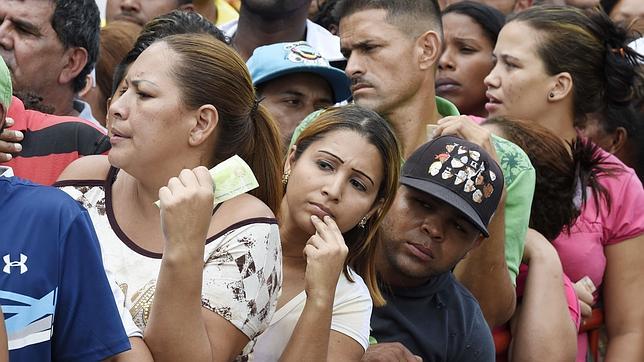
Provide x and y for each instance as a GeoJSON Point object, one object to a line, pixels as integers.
{"type": "Point", "coordinates": [438, 180]}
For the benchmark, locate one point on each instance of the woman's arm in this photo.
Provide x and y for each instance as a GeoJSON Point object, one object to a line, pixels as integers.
{"type": "Point", "coordinates": [542, 327]}
{"type": "Point", "coordinates": [623, 296]}
{"type": "Point", "coordinates": [312, 338]}
{"type": "Point", "coordinates": [179, 328]}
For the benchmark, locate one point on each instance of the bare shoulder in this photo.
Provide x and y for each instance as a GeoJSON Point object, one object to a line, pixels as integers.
{"type": "Point", "coordinates": [94, 167]}
{"type": "Point", "coordinates": [244, 207]}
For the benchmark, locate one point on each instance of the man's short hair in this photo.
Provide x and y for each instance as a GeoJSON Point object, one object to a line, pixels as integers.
{"type": "Point", "coordinates": [411, 16]}
{"type": "Point", "coordinates": [77, 24]}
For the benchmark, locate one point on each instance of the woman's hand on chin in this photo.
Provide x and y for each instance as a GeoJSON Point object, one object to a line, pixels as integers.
{"type": "Point", "coordinates": [186, 210]}
{"type": "Point", "coordinates": [325, 254]}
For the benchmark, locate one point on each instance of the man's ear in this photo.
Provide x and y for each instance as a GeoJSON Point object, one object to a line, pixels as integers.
{"type": "Point", "coordinates": [429, 45]}
{"type": "Point", "coordinates": [205, 122]}
{"type": "Point", "coordinates": [75, 60]}
{"type": "Point", "coordinates": [476, 243]}
{"type": "Point", "coordinates": [561, 87]}
{"type": "Point", "coordinates": [521, 5]}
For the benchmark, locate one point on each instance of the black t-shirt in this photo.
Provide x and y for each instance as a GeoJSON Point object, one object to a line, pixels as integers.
{"type": "Point", "coordinates": [439, 321]}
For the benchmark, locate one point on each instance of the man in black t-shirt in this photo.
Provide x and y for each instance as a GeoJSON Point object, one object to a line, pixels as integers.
{"type": "Point", "coordinates": [450, 188]}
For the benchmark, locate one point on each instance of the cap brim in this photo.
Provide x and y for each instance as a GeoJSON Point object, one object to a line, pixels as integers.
{"type": "Point", "coordinates": [338, 80]}
{"type": "Point", "coordinates": [442, 193]}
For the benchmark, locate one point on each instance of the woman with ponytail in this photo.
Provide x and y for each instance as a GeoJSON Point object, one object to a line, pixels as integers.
{"type": "Point", "coordinates": [555, 65]}
{"type": "Point", "coordinates": [201, 284]}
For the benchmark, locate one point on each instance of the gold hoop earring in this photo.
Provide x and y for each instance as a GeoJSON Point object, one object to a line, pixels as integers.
{"type": "Point", "coordinates": [285, 176]}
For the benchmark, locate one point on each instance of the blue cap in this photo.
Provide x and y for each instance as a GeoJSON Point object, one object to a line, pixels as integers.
{"type": "Point", "coordinates": [275, 60]}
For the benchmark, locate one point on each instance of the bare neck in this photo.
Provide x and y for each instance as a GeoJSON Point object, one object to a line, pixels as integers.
{"type": "Point", "coordinates": [410, 121]}
{"type": "Point", "coordinates": [254, 31]}
{"type": "Point", "coordinates": [561, 123]}
{"type": "Point", "coordinates": [62, 99]}
{"type": "Point", "coordinates": [292, 237]}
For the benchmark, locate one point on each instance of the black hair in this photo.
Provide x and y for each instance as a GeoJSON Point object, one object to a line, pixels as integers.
{"type": "Point", "coordinates": [631, 119]}
{"type": "Point", "coordinates": [173, 23]}
{"type": "Point", "coordinates": [77, 23]}
{"type": "Point", "coordinates": [324, 17]}
{"type": "Point", "coordinates": [411, 16]}
{"type": "Point", "coordinates": [488, 18]}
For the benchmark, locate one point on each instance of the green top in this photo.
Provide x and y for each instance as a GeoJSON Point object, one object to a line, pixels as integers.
{"type": "Point", "coordinates": [519, 176]}
{"type": "Point", "coordinates": [5, 85]}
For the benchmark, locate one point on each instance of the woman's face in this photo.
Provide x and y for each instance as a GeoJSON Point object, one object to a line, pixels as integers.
{"type": "Point", "coordinates": [338, 175]}
{"type": "Point", "coordinates": [629, 13]}
{"type": "Point", "coordinates": [466, 60]}
{"type": "Point", "coordinates": [147, 120]}
{"type": "Point", "coordinates": [518, 85]}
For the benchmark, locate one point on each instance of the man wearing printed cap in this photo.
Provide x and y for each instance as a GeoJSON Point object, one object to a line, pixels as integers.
{"type": "Point", "coordinates": [392, 49]}
{"type": "Point", "coordinates": [293, 80]}
{"type": "Point", "coordinates": [449, 191]}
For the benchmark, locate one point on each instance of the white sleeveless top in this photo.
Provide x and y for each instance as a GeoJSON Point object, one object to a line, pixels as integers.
{"type": "Point", "coordinates": [351, 316]}
{"type": "Point", "coordinates": [242, 274]}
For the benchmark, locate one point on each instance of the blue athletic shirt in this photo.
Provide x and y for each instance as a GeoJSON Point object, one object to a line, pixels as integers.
{"type": "Point", "coordinates": [54, 293]}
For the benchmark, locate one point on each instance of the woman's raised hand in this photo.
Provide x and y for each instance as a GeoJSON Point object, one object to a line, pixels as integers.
{"type": "Point", "coordinates": [325, 253]}
{"type": "Point", "coordinates": [186, 209]}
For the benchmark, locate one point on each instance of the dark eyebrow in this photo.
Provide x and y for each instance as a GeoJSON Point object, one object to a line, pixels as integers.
{"type": "Point", "coordinates": [292, 93]}
{"type": "Point", "coordinates": [27, 26]}
{"type": "Point", "coordinates": [342, 162]}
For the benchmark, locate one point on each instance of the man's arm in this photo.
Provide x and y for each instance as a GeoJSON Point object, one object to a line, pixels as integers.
{"type": "Point", "coordinates": [484, 273]}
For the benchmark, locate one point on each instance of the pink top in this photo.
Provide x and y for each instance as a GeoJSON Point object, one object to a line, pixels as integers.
{"type": "Point", "coordinates": [582, 251]}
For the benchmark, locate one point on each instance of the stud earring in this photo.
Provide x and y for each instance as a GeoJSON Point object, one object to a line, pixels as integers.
{"type": "Point", "coordinates": [285, 176]}
{"type": "Point", "coordinates": [551, 95]}
{"type": "Point", "coordinates": [363, 222]}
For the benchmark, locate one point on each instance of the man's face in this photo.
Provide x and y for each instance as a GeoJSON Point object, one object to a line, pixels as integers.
{"type": "Point", "coordinates": [292, 97]}
{"type": "Point", "coordinates": [422, 237]}
{"type": "Point", "coordinates": [29, 45]}
{"type": "Point", "coordinates": [381, 61]}
{"type": "Point", "coordinates": [138, 11]}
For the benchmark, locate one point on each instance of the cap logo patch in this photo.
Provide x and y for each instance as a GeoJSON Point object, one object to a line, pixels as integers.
{"type": "Point", "coordinates": [465, 164]}
{"type": "Point", "coordinates": [301, 52]}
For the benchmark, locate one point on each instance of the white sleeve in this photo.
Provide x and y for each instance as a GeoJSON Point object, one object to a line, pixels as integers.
{"type": "Point", "coordinates": [352, 309]}
{"type": "Point", "coordinates": [124, 312]}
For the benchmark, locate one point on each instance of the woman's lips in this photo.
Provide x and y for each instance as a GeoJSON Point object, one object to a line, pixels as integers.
{"type": "Point", "coordinates": [493, 103]}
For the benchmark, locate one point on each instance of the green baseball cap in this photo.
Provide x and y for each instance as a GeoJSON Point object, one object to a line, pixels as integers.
{"type": "Point", "coordinates": [5, 85]}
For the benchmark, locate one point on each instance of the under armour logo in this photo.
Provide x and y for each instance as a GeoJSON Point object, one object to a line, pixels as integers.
{"type": "Point", "coordinates": [8, 264]}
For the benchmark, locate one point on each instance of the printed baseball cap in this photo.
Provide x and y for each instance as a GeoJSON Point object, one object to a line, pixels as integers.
{"type": "Point", "coordinates": [459, 173]}
{"type": "Point", "coordinates": [5, 85]}
{"type": "Point", "coordinates": [275, 60]}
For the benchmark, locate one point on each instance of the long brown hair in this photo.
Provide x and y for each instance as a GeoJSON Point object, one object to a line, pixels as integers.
{"type": "Point", "coordinates": [210, 72]}
{"type": "Point", "coordinates": [564, 173]}
{"type": "Point", "coordinates": [367, 123]}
